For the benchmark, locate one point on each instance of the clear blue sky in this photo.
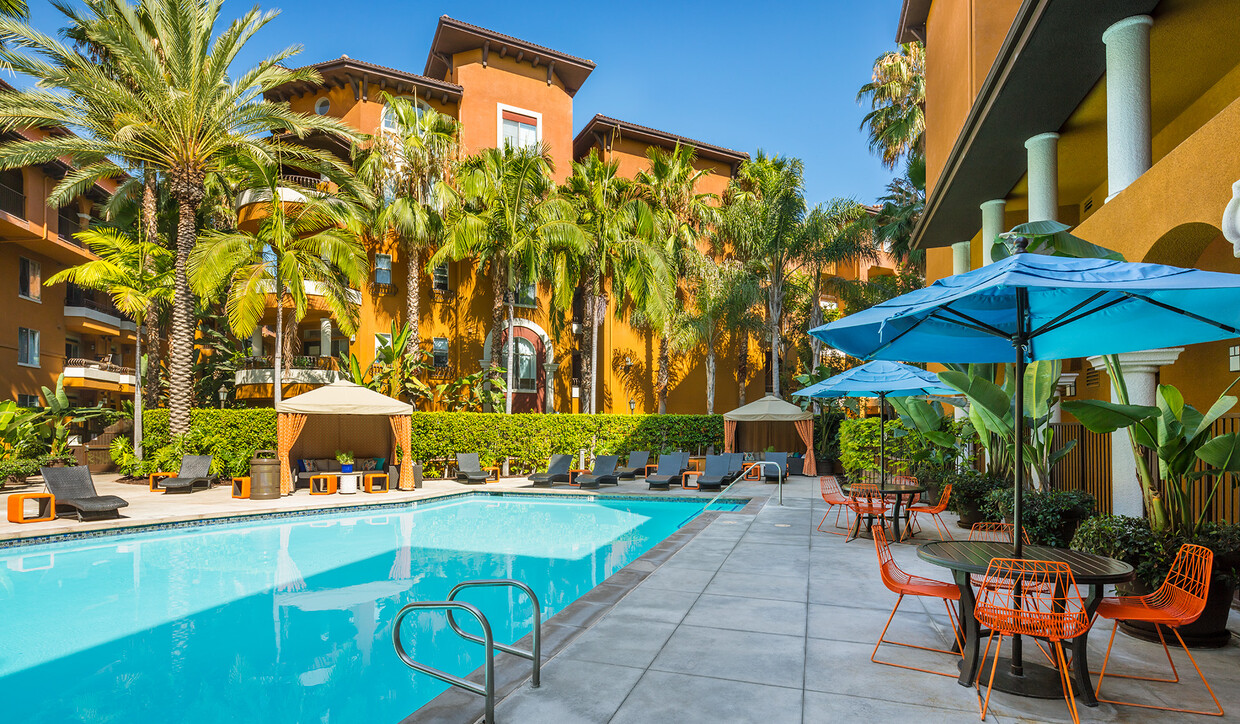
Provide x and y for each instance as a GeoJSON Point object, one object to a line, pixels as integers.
{"type": "Point", "coordinates": [780, 76]}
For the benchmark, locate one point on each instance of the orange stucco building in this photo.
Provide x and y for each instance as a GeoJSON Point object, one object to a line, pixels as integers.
{"type": "Point", "coordinates": [1116, 118]}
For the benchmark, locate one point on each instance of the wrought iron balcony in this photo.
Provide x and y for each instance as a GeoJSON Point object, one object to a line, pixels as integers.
{"type": "Point", "coordinates": [12, 201]}
{"type": "Point", "coordinates": [442, 295]}
{"type": "Point", "coordinates": [383, 289]}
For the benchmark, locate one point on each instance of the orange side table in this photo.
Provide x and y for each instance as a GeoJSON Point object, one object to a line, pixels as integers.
{"type": "Point", "coordinates": [323, 484]}
{"type": "Point", "coordinates": [46, 507]}
{"type": "Point", "coordinates": [241, 487]}
{"type": "Point", "coordinates": [572, 476]}
{"type": "Point", "coordinates": [493, 470]}
{"type": "Point", "coordinates": [371, 484]}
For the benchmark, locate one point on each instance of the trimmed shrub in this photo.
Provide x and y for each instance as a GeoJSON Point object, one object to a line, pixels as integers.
{"type": "Point", "coordinates": [232, 437]}
{"type": "Point", "coordinates": [21, 468]}
{"type": "Point", "coordinates": [860, 444]}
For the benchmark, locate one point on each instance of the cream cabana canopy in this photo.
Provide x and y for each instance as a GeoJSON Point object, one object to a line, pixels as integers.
{"type": "Point", "coordinates": [771, 409]}
{"type": "Point", "coordinates": [342, 416]}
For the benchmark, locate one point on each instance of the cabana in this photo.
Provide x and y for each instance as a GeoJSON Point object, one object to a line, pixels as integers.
{"type": "Point", "coordinates": [342, 416]}
{"type": "Point", "coordinates": [771, 410]}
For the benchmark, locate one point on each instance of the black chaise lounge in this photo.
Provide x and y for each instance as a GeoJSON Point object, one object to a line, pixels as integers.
{"type": "Point", "coordinates": [75, 493]}
{"type": "Point", "coordinates": [736, 465]}
{"type": "Point", "coordinates": [604, 473]}
{"type": "Point", "coordinates": [715, 476]}
{"type": "Point", "coordinates": [768, 471]}
{"type": "Point", "coordinates": [637, 465]}
{"type": "Point", "coordinates": [557, 472]}
{"type": "Point", "coordinates": [668, 473]}
{"type": "Point", "coordinates": [469, 470]}
{"type": "Point", "coordinates": [195, 471]}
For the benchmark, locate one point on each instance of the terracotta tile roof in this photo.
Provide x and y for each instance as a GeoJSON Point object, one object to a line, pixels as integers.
{"type": "Point", "coordinates": [454, 36]}
{"type": "Point", "coordinates": [586, 138]}
{"type": "Point", "coordinates": [344, 63]}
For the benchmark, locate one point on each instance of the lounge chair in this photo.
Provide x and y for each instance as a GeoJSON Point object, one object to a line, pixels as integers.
{"type": "Point", "coordinates": [780, 459]}
{"type": "Point", "coordinates": [604, 473]}
{"type": "Point", "coordinates": [714, 477]}
{"type": "Point", "coordinates": [75, 491]}
{"type": "Point", "coordinates": [557, 472]}
{"type": "Point", "coordinates": [668, 473]}
{"type": "Point", "coordinates": [736, 465]}
{"type": "Point", "coordinates": [636, 466]}
{"type": "Point", "coordinates": [195, 470]}
{"type": "Point", "coordinates": [469, 470]}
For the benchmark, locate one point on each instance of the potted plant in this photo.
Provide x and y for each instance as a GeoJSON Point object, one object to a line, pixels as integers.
{"type": "Point", "coordinates": [1182, 438]}
{"type": "Point", "coordinates": [1050, 517]}
{"type": "Point", "coordinates": [970, 489]}
{"type": "Point", "coordinates": [346, 461]}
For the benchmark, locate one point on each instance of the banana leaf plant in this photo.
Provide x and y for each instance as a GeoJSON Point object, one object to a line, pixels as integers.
{"type": "Point", "coordinates": [1048, 237]}
{"type": "Point", "coordinates": [941, 447]}
{"type": "Point", "coordinates": [992, 412]}
{"type": "Point", "coordinates": [1180, 436]}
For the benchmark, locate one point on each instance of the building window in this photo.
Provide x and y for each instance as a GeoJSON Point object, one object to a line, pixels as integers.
{"type": "Point", "coordinates": [439, 351]}
{"type": "Point", "coordinates": [73, 348]}
{"type": "Point", "coordinates": [1233, 359]}
{"type": "Point", "coordinates": [525, 372]}
{"type": "Point", "coordinates": [30, 280]}
{"type": "Point", "coordinates": [27, 347]}
{"type": "Point", "coordinates": [390, 121]}
{"type": "Point", "coordinates": [322, 106]}
{"type": "Point", "coordinates": [383, 268]}
{"type": "Point", "coordinates": [439, 278]}
{"type": "Point", "coordinates": [28, 401]}
{"type": "Point", "coordinates": [526, 295]}
{"type": "Point", "coordinates": [519, 130]}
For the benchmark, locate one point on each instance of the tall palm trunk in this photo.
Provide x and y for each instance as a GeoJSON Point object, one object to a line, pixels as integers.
{"type": "Point", "coordinates": [181, 347]}
{"type": "Point", "coordinates": [413, 297]}
{"type": "Point", "coordinates": [137, 394]}
{"type": "Point", "coordinates": [497, 316]}
{"type": "Point", "coordinates": [815, 320]}
{"type": "Point", "coordinates": [661, 382]}
{"type": "Point", "coordinates": [710, 379]}
{"type": "Point", "coordinates": [512, 349]}
{"type": "Point", "coordinates": [774, 312]}
{"type": "Point", "coordinates": [600, 307]}
{"type": "Point", "coordinates": [742, 367]}
{"type": "Point", "coordinates": [277, 373]}
{"type": "Point", "coordinates": [587, 355]}
{"type": "Point", "coordinates": [143, 386]}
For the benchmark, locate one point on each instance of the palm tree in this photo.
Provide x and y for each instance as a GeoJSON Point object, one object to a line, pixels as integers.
{"type": "Point", "coordinates": [619, 227]}
{"type": "Point", "coordinates": [764, 221]}
{"type": "Point", "coordinates": [717, 292]}
{"type": "Point", "coordinates": [138, 277]}
{"type": "Point", "coordinates": [671, 183]}
{"type": "Point", "coordinates": [414, 158]}
{"type": "Point", "coordinates": [896, 95]}
{"type": "Point", "coordinates": [300, 241]}
{"type": "Point", "coordinates": [505, 213]}
{"type": "Point", "coordinates": [837, 232]}
{"type": "Point", "coordinates": [899, 211]}
{"type": "Point", "coordinates": [173, 107]}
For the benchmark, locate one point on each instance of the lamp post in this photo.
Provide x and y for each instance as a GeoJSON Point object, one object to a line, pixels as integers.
{"type": "Point", "coordinates": [223, 393]}
{"type": "Point", "coordinates": [632, 405]}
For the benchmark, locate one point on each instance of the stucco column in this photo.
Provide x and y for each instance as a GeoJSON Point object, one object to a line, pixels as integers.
{"type": "Point", "coordinates": [1066, 380]}
{"type": "Point", "coordinates": [1043, 165]}
{"type": "Point", "coordinates": [325, 337]}
{"type": "Point", "coordinates": [960, 257]}
{"type": "Point", "coordinates": [992, 226]}
{"type": "Point", "coordinates": [256, 342]}
{"type": "Point", "coordinates": [1128, 101]}
{"type": "Point", "coordinates": [549, 369]}
{"type": "Point", "coordinates": [1139, 370]}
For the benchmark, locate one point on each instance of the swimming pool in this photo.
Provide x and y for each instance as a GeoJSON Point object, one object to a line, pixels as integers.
{"type": "Point", "coordinates": [289, 619]}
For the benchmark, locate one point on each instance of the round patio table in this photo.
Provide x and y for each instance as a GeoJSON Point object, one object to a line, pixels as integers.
{"type": "Point", "coordinates": [898, 492]}
{"type": "Point", "coordinates": [968, 558]}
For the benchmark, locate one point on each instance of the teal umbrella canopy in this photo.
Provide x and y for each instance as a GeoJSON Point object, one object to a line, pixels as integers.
{"type": "Point", "coordinates": [879, 378]}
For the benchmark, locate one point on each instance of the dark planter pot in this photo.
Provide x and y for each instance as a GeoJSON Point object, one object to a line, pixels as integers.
{"type": "Point", "coordinates": [1209, 631]}
{"type": "Point", "coordinates": [970, 513]}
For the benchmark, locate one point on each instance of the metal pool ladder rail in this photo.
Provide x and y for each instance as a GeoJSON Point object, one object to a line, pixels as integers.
{"type": "Point", "coordinates": [451, 605]}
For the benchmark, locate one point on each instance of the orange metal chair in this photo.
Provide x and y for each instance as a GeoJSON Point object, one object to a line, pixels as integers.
{"type": "Point", "coordinates": [1053, 610]}
{"type": "Point", "coordinates": [934, 511]}
{"type": "Point", "coordinates": [865, 501]}
{"type": "Point", "coordinates": [1001, 532]}
{"type": "Point", "coordinates": [1178, 602]}
{"type": "Point", "coordinates": [897, 581]}
{"type": "Point", "coordinates": [834, 498]}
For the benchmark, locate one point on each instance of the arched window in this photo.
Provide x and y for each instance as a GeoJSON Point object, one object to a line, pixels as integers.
{"type": "Point", "coordinates": [525, 366]}
{"type": "Point", "coordinates": [389, 118]}
{"type": "Point", "coordinates": [322, 106]}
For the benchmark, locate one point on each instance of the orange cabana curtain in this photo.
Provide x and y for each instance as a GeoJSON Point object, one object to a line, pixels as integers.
{"type": "Point", "coordinates": [401, 427]}
{"type": "Point", "coordinates": [288, 428]}
{"type": "Point", "coordinates": [806, 430]}
{"type": "Point", "coordinates": [729, 435]}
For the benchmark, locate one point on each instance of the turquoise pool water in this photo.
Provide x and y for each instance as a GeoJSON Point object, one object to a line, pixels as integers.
{"type": "Point", "coordinates": [289, 619]}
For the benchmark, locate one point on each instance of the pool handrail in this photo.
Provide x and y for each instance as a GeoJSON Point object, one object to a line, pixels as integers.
{"type": "Point", "coordinates": [487, 690]}
{"type": "Point", "coordinates": [535, 654]}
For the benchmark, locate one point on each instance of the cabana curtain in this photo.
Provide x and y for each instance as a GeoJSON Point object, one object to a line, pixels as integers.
{"type": "Point", "coordinates": [288, 428]}
{"type": "Point", "coordinates": [401, 427]}
{"type": "Point", "coordinates": [806, 430]}
{"type": "Point", "coordinates": [729, 436]}
{"type": "Point", "coordinates": [772, 409]}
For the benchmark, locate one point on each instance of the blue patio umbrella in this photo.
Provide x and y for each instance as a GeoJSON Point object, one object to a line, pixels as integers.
{"type": "Point", "coordinates": [881, 379]}
{"type": "Point", "coordinates": [1033, 307]}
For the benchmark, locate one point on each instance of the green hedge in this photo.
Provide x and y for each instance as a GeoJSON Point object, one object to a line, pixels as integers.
{"type": "Point", "coordinates": [21, 468]}
{"type": "Point", "coordinates": [232, 436]}
{"type": "Point", "coordinates": [859, 446]}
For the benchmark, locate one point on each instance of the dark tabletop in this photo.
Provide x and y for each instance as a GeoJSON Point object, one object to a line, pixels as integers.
{"type": "Point", "coordinates": [894, 489]}
{"type": "Point", "coordinates": [974, 557]}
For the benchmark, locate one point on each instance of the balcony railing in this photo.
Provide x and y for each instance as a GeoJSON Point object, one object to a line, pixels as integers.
{"type": "Point", "coordinates": [102, 366]}
{"type": "Point", "coordinates": [12, 201]}
{"type": "Point", "coordinates": [382, 289]}
{"type": "Point", "coordinates": [67, 225]}
{"type": "Point", "coordinates": [442, 295]}
{"type": "Point", "coordinates": [439, 372]}
{"type": "Point", "coordinates": [75, 296]}
{"type": "Point", "coordinates": [300, 362]}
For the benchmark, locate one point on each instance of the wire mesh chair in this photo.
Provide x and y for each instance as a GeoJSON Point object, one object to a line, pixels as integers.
{"type": "Point", "coordinates": [1178, 602]}
{"type": "Point", "coordinates": [934, 511]}
{"type": "Point", "coordinates": [905, 584]}
{"type": "Point", "coordinates": [999, 532]}
{"type": "Point", "coordinates": [835, 500]}
{"type": "Point", "coordinates": [868, 504]}
{"type": "Point", "coordinates": [1054, 610]}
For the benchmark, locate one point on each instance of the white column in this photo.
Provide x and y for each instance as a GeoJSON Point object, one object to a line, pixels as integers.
{"type": "Point", "coordinates": [1139, 370]}
{"type": "Point", "coordinates": [1066, 380]}
{"type": "Point", "coordinates": [1043, 165]}
{"type": "Point", "coordinates": [325, 337]}
{"type": "Point", "coordinates": [1128, 101]}
{"type": "Point", "coordinates": [256, 342]}
{"type": "Point", "coordinates": [960, 257]}
{"type": "Point", "coordinates": [992, 225]}
{"type": "Point", "coordinates": [549, 369]}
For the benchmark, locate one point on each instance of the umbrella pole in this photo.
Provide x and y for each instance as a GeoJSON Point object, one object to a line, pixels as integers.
{"type": "Point", "coordinates": [1018, 532]}
{"type": "Point", "coordinates": [882, 439]}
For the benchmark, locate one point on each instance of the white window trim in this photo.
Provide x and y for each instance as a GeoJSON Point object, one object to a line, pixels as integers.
{"type": "Point", "coordinates": [533, 305]}
{"type": "Point", "coordinates": [499, 122]}
{"type": "Point", "coordinates": [377, 269]}
{"type": "Point", "coordinates": [447, 268]}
